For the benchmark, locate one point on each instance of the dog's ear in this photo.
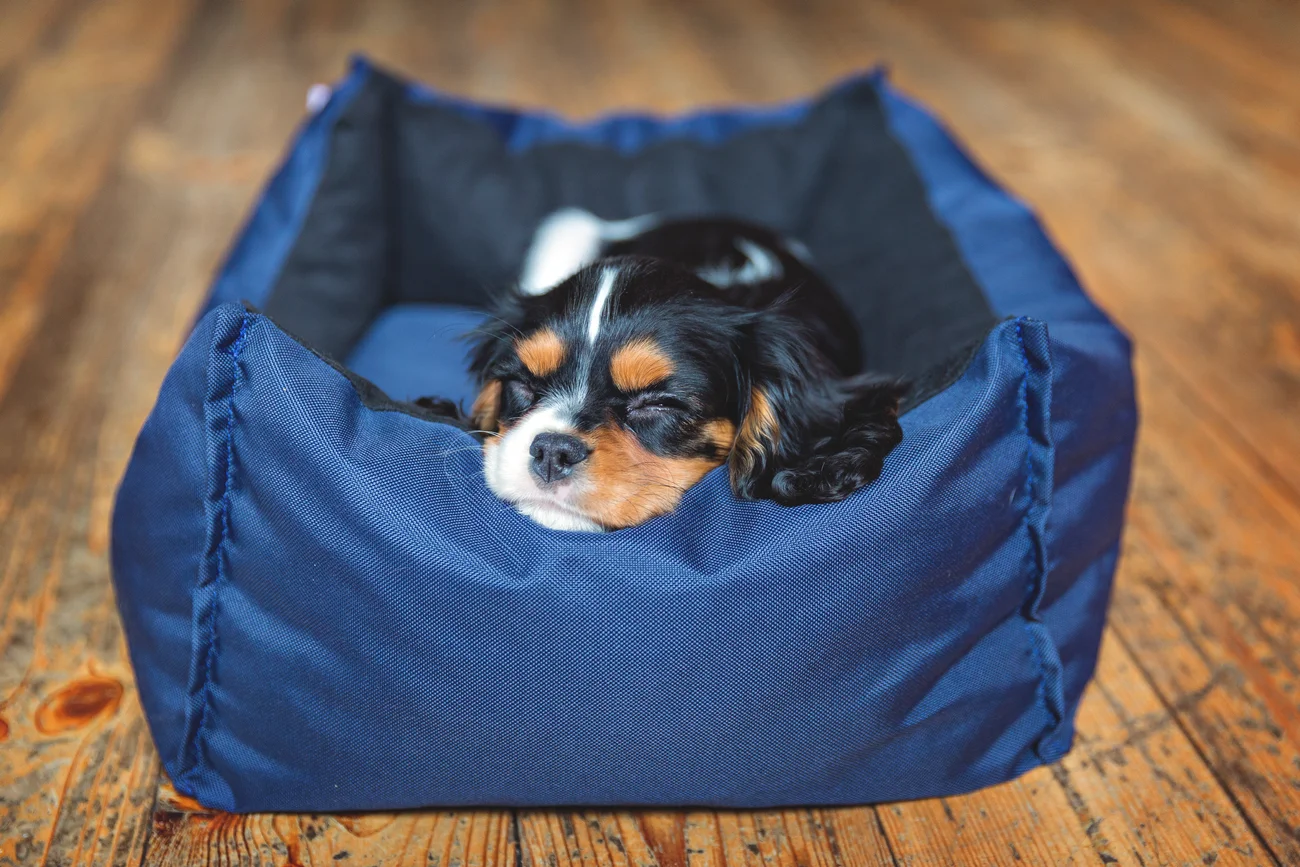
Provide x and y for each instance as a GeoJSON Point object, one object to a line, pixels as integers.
{"type": "Point", "coordinates": [489, 344]}
{"type": "Point", "coordinates": [494, 339]}
{"type": "Point", "coordinates": [806, 436]}
{"type": "Point", "coordinates": [486, 410]}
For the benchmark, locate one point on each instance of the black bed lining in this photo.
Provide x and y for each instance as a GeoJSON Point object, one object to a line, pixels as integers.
{"type": "Point", "coordinates": [420, 202]}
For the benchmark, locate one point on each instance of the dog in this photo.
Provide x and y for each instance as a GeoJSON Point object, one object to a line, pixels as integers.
{"type": "Point", "coordinates": [635, 356]}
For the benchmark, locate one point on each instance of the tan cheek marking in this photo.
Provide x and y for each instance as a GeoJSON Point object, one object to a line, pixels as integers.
{"type": "Point", "coordinates": [639, 364]}
{"type": "Point", "coordinates": [542, 352]}
{"type": "Point", "coordinates": [486, 406]}
{"type": "Point", "coordinates": [627, 485]}
{"type": "Point", "coordinates": [758, 430]}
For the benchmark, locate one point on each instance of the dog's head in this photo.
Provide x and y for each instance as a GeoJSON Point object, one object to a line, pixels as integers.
{"type": "Point", "coordinates": [603, 400]}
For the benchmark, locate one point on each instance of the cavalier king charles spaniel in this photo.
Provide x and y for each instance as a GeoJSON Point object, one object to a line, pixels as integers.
{"type": "Point", "coordinates": [636, 356]}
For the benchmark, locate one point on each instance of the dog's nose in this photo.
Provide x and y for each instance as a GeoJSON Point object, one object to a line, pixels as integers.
{"type": "Point", "coordinates": [555, 455]}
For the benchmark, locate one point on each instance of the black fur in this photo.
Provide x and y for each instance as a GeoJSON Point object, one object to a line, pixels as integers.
{"type": "Point", "coordinates": [790, 339]}
{"type": "Point", "coordinates": [705, 243]}
{"type": "Point", "coordinates": [656, 299]}
{"type": "Point", "coordinates": [834, 432]}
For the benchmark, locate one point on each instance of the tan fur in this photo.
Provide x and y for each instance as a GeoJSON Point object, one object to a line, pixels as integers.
{"type": "Point", "coordinates": [626, 484]}
{"type": "Point", "coordinates": [759, 429]}
{"type": "Point", "coordinates": [542, 352]}
{"type": "Point", "coordinates": [639, 364]}
{"type": "Point", "coordinates": [721, 434]}
{"type": "Point", "coordinates": [486, 406]}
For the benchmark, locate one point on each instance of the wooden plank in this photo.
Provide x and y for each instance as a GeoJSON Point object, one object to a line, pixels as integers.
{"type": "Point", "coordinates": [185, 834]}
{"type": "Point", "coordinates": [1133, 181]}
{"type": "Point", "coordinates": [1213, 543]}
{"type": "Point", "coordinates": [64, 115]}
{"type": "Point", "coordinates": [76, 768]}
{"type": "Point", "coordinates": [1026, 821]}
{"type": "Point", "coordinates": [1242, 76]}
{"type": "Point", "coordinates": [1222, 711]}
{"type": "Point", "coordinates": [1141, 788]}
{"type": "Point", "coordinates": [61, 124]}
{"type": "Point", "coordinates": [27, 25]}
{"type": "Point", "coordinates": [835, 836]}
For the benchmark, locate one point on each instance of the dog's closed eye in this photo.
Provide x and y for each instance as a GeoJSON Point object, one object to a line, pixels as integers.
{"type": "Point", "coordinates": [617, 389]}
{"type": "Point", "coordinates": [650, 405]}
{"type": "Point", "coordinates": [521, 392]}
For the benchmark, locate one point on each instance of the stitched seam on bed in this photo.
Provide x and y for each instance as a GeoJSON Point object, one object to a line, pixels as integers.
{"type": "Point", "coordinates": [1037, 576]}
{"type": "Point", "coordinates": [223, 518]}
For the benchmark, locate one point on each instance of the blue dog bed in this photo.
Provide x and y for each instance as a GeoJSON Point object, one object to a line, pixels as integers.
{"type": "Point", "coordinates": [328, 610]}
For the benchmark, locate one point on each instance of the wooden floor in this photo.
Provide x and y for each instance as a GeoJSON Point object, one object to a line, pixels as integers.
{"type": "Point", "coordinates": [1160, 141]}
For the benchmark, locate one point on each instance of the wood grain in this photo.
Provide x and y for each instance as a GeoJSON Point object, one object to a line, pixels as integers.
{"type": "Point", "coordinates": [77, 769]}
{"type": "Point", "coordinates": [185, 834]}
{"type": "Point", "coordinates": [1158, 139]}
{"type": "Point", "coordinates": [703, 839]}
{"type": "Point", "coordinates": [1133, 761]}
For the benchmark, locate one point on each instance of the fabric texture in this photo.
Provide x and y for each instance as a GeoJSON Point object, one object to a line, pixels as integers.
{"type": "Point", "coordinates": [328, 610]}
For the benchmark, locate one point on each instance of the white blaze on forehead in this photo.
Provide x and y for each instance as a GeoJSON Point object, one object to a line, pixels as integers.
{"type": "Point", "coordinates": [606, 288]}
{"type": "Point", "coordinates": [762, 265]}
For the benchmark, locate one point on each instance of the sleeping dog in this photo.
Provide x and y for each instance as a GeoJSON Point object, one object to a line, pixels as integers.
{"type": "Point", "coordinates": [636, 356]}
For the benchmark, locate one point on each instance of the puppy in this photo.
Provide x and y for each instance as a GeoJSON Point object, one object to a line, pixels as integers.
{"type": "Point", "coordinates": [637, 356]}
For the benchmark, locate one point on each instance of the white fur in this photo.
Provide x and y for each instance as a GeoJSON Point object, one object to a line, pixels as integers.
{"type": "Point", "coordinates": [606, 288]}
{"type": "Point", "coordinates": [557, 517]}
{"type": "Point", "coordinates": [568, 240]}
{"type": "Point", "coordinates": [506, 466]}
{"type": "Point", "coordinates": [761, 264]}
{"type": "Point", "coordinates": [799, 250]}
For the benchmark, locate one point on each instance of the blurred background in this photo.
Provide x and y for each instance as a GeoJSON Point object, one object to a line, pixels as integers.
{"type": "Point", "coordinates": [1141, 130]}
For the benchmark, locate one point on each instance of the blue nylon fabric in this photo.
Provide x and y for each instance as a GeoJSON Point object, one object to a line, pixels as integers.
{"type": "Point", "coordinates": [413, 350]}
{"type": "Point", "coordinates": [430, 645]}
{"type": "Point", "coordinates": [1094, 408]}
{"type": "Point", "coordinates": [402, 638]}
{"type": "Point", "coordinates": [165, 485]}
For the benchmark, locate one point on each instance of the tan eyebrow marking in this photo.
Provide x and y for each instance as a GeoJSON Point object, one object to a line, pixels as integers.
{"type": "Point", "coordinates": [542, 352]}
{"type": "Point", "coordinates": [639, 364]}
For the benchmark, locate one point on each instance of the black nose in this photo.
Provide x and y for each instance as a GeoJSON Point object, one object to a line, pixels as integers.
{"type": "Point", "coordinates": [555, 454]}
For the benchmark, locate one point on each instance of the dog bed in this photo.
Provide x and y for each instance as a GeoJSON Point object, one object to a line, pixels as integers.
{"type": "Point", "coordinates": [328, 610]}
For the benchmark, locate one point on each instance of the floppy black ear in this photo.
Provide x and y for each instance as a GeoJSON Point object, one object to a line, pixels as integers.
{"type": "Point", "coordinates": [805, 435]}
{"type": "Point", "coordinates": [489, 344]}
{"type": "Point", "coordinates": [491, 341]}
